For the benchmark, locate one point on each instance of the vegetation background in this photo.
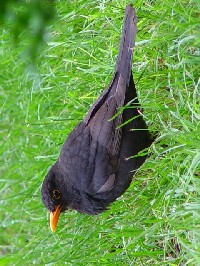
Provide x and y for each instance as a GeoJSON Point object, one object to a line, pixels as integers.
{"type": "Point", "coordinates": [55, 60]}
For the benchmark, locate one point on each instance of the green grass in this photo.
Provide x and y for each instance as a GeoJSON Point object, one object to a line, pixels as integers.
{"type": "Point", "coordinates": [157, 220]}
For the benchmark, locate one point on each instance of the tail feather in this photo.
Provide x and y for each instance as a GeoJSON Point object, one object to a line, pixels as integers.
{"type": "Point", "coordinates": [123, 65]}
{"type": "Point", "coordinates": [124, 59]}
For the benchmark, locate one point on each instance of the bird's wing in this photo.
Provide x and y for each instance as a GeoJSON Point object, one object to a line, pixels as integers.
{"type": "Point", "coordinates": [89, 157]}
{"type": "Point", "coordinates": [86, 163]}
{"type": "Point", "coordinates": [104, 125]}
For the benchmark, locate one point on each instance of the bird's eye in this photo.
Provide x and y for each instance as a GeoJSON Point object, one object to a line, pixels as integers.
{"type": "Point", "coordinates": [56, 194]}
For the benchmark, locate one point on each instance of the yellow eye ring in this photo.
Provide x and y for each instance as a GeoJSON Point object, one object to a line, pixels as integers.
{"type": "Point", "coordinates": [56, 194]}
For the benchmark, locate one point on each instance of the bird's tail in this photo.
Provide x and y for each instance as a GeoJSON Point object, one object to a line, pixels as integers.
{"type": "Point", "coordinates": [122, 68]}
{"type": "Point", "coordinates": [124, 59]}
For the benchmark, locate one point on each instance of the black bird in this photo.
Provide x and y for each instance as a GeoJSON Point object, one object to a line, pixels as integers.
{"type": "Point", "coordinates": [94, 167]}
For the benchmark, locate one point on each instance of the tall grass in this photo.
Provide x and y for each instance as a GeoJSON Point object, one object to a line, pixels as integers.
{"type": "Point", "coordinates": [157, 221]}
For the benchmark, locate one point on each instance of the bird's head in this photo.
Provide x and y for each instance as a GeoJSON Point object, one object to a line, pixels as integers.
{"type": "Point", "coordinates": [52, 195]}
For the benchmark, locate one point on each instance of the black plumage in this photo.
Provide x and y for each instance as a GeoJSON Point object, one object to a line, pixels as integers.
{"type": "Point", "coordinates": [94, 167]}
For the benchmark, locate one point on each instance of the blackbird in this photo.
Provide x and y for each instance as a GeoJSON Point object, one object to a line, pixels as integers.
{"type": "Point", "coordinates": [95, 165]}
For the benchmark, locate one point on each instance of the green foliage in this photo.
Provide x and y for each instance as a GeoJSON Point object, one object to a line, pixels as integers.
{"type": "Point", "coordinates": [157, 221]}
{"type": "Point", "coordinates": [27, 21]}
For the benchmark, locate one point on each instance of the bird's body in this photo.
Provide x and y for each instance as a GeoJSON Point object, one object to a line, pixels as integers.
{"type": "Point", "coordinates": [94, 167]}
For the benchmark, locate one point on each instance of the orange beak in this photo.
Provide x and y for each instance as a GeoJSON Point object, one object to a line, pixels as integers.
{"type": "Point", "coordinates": [54, 216]}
